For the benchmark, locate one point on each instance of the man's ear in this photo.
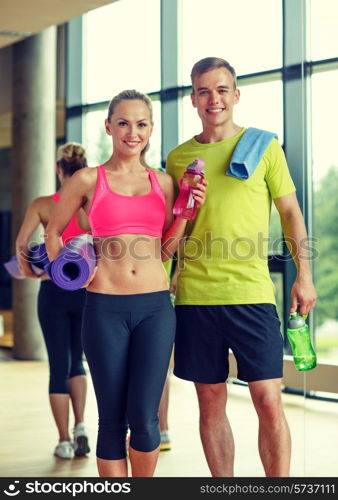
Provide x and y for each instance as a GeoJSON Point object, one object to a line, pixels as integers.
{"type": "Point", "coordinates": [237, 95]}
{"type": "Point", "coordinates": [193, 99]}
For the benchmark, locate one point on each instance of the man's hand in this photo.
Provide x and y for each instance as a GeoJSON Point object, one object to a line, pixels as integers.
{"type": "Point", "coordinates": [303, 295]}
{"type": "Point", "coordinates": [199, 192]}
{"type": "Point", "coordinates": [173, 283]}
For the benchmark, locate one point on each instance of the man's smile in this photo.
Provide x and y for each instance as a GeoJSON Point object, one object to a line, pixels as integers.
{"type": "Point", "coordinates": [215, 110]}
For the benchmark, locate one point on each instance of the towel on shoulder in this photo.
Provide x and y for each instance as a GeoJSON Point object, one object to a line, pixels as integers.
{"type": "Point", "coordinates": [248, 152]}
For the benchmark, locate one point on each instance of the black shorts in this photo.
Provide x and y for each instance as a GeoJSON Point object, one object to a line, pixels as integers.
{"type": "Point", "coordinates": [206, 333]}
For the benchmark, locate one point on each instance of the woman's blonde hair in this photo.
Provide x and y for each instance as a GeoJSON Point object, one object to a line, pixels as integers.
{"type": "Point", "coordinates": [130, 95]}
{"type": "Point", "coordinates": [71, 157]}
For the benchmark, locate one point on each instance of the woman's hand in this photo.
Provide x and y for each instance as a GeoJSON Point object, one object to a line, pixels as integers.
{"type": "Point", "coordinates": [25, 268]}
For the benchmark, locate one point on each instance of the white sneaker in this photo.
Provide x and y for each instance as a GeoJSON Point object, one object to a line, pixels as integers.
{"type": "Point", "coordinates": [80, 442]}
{"type": "Point", "coordinates": [165, 443]}
{"type": "Point", "coordinates": [64, 450]}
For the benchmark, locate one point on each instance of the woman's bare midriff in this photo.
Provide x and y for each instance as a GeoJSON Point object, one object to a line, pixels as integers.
{"type": "Point", "coordinates": [128, 264]}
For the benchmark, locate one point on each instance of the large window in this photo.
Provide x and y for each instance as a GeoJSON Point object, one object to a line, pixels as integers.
{"type": "Point", "coordinates": [122, 49]}
{"type": "Point", "coordinates": [247, 33]}
{"type": "Point", "coordinates": [325, 175]}
{"type": "Point", "coordinates": [323, 29]}
{"type": "Point", "coordinates": [261, 106]}
{"type": "Point", "coordinates": [190, 121]}
{"type": "Point", "coordinates": [97, 143]}
{"type": "Point", "coordinates": [153, 155]}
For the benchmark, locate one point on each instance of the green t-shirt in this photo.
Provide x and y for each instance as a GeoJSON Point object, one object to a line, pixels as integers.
{"type": "Point", "coordinates": [167, 266]}
{"type": "Point", "coordinates": [224, 258]}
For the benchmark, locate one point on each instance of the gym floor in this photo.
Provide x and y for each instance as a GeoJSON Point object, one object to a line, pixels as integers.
{"type": "Point", "coordinates": [28, 433]}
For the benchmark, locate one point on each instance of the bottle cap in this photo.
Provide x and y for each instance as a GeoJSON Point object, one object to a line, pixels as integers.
{"type": "Point", "coordinates": [197, 166]}
{"type": "Point", "coordinates": [296, 320]}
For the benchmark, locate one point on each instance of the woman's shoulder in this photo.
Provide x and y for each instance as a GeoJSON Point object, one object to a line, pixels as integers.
{"type": "Point", "coordinates": [161, 175]}
{"type": "Point", "coordinates": [85, 176]}
{"type": "Point", "coordinates": [42, 202]}
{"type": "Point", "coordinates": [87, 172]}
{"type": "Point", "coordinates": [42, 207]}
{"type": "Point", "coordinates": [164, 179]}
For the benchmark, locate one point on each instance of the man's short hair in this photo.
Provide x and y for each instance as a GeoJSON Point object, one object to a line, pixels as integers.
{"type": "Point", "coordinates": [208, 64]}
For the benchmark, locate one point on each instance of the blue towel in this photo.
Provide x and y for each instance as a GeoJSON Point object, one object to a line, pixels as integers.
{"type": "Point", "coordinates": [248, 152]}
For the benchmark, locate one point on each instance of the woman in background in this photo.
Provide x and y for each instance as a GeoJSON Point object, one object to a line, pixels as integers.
{"type": "Point", "coordinates": [60, 312]}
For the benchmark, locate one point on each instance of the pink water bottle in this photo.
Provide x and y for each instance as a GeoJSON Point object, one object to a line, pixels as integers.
{"type": "Point", "coordinates": [185, 205]}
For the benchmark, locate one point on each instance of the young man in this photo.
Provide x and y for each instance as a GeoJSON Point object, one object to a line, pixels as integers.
{"type": "Point", "coordinates": [225, 297]}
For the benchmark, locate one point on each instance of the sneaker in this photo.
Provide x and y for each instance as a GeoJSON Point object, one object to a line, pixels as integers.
{"type": "Point", "coordinates": [165, 444]}
{"type": "Point", "coordinates": [80, 442]}
{"type": "Point", "coordinates": [64, 450]}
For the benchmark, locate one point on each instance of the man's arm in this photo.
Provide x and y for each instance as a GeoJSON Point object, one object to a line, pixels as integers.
{"type": "Point", "coordinates": [303, 293]}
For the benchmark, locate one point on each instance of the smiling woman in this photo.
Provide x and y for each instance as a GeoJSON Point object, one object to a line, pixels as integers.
{"type": "Point", "coordinates": [128, 322]}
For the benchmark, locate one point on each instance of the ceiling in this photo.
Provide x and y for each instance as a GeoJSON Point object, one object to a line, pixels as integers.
{"type": "Point", "coordinates": [22, 18]}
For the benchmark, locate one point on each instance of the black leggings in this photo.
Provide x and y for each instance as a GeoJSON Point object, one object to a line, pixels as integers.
{"type": "Point", "coordinates": [60, 316]}
{"type": "Point", "coordinates": [128, 341]}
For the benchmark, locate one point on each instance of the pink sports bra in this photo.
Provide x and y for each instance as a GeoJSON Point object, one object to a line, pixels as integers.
{"type": "Point", "coordinates": [111, 213]}
{"type": "Point", "coordinates": [73, 229]}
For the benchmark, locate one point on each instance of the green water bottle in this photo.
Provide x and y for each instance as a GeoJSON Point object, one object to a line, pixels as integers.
{"type": "Point", "coordinates": [299, 337]}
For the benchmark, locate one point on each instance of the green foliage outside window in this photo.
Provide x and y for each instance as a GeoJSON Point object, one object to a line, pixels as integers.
{"type": "Point", "coordinates": [326, 264]}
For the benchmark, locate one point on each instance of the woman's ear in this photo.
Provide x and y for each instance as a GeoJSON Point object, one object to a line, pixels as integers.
{"type": "Point", "coordinates": [107, 126]}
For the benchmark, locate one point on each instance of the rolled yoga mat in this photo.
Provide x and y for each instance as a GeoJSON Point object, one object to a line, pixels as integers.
{"type": "Point", "coordinates": [37, 258]}
{"type": "Point", "coordinates": [75, 263]}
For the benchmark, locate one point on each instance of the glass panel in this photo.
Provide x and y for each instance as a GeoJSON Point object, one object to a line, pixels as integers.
{"type": "Point", "coordinates": [325, 175]}
{"type": "Point", "coordinates": [153, 156]}
{"type": "Point", "coordinates": [122, 49]}
{"type": "Point", "coordinates": [190, 121]}
{"type": "Point", "coordinates": [260, 105]}
{"type": "Point", "coordinates": [277, 279]}
{"type": "Point", "coordinates": [96, 142]}
{"type": "Point", "coordinates": [99, 145]}
{"type": "Point", "coordinates": [323, 29]}
{"type": "Point", "coordinates": [248, 34]}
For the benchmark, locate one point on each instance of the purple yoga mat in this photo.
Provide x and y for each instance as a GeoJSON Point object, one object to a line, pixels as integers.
{"type": "Point", "coordinates": [12, 266]}
{"type": "Point", "coordinates": [75, 263]}
{"type": "Point", "coordinates": [37, 259]}
{"type": "Point", "coordinates": [38, 256]}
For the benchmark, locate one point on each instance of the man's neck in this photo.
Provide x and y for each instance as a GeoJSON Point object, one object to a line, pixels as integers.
{"type": "Point", "coordinates": [217, 134]}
